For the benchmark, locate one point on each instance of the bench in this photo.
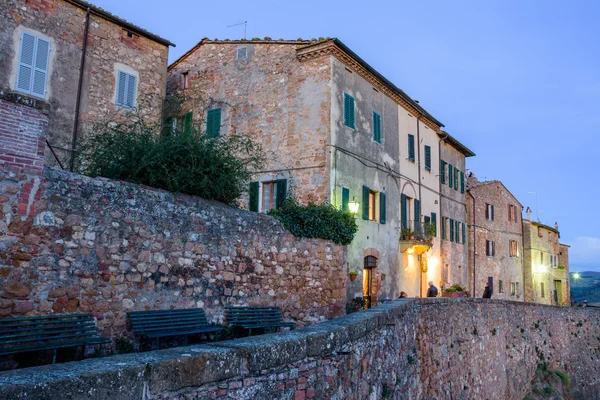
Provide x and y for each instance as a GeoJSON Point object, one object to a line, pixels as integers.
{"type": "Point", "coordinates": [161, 323]}
{"type": "Point", "coordinates": [256, 317]}
{"type": "Point", "coordinates": [21, 335]}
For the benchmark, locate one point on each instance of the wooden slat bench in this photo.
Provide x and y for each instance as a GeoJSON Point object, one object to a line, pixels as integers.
{"type": "Point", "coordinates": [21, 335]}
{"type": "Point", "coordinates": [256, 317]}
{"type": "Point", "coordinates": [161, 323]}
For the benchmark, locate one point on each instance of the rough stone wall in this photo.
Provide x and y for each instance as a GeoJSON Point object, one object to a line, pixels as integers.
{"type": "Point", "coordinates": [427, 349]}
{"type": "Point", "coordinates": [501, 230]}
{"type": "Point", "coordinates": [563, 261]}
{"type": "Point", "coordinates": [63, 25]}
{"type": "Point", "coordinates": [273, 97]}
{"type": "Point", "coordinates": [93, 245]}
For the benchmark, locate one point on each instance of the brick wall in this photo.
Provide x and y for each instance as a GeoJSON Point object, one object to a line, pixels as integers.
{"type": "Point", "coordinates": [427, 349]}
{"type": "Point", "coordinates": [92, 245]}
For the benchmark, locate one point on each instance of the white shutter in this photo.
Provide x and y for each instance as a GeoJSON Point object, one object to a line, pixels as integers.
{"type": "Point", "coordinates": [131, 87]}
{"type": "Point", "coordinates": [26, 62]}
{"type": "Point", "coordinates": [121, 88]}
{"type": "Point", "coordinates": [40, 71]}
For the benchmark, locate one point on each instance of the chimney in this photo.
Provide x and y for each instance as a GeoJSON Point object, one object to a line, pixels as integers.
{"type": "Point", "coordinates": [556, 225]}
{"type": "Point", "coordinates": [528, 213]}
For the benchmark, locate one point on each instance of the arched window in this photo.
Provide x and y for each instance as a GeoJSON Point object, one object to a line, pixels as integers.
{"type": "Point", "coordinates": [370, 262]}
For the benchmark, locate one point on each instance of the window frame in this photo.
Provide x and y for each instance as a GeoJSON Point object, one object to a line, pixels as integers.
{"type": "Point", "coordinates": [128, 77]}
{"type": "Point", "coordinates": [33, 66]}
{"type": "Point", "coordinates": [272, 195]}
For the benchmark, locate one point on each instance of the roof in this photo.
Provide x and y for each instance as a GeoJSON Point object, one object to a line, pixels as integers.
{"type": "Point", "coordinates": [539, 224]}
{"type": "Point", "coordinates": [306, 44]}
{"type": "Point", "coordinates": [475, 184]}
{"type": "Point", "coordinates": [456, 144]}
{"type": "Point", "coordinates": [565, 245]}
{"type": "Point", "coordinates": [119, 21]}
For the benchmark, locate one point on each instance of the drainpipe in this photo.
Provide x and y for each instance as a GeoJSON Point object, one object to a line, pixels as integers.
{"type": "Point", "coordinates": [474, 225]}
{"type": "Point", "coordinates": [440, 195]}
{"type": "Point", "coordinates": [79, 89]}
{"type": "Point", "coordinates": [420, 199]}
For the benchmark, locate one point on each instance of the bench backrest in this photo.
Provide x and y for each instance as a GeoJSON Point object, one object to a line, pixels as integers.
{"type": "Point", "coordinates": [253, 315]}
{"type": "Point", "coordinates": [145, 322]}
{"type": "Point", "coordinates": [33, 331]}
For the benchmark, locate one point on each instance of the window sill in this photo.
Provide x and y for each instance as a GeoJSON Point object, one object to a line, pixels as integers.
{"type": "Point", "coordinates": [26, 99]}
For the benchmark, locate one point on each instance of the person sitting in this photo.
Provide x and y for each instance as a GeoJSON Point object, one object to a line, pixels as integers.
{"type": "Point", "coordinates": [402, 295]}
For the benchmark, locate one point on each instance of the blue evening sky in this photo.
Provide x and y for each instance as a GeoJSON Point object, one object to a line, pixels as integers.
{"type": "Point", "coordinates": [516, 81]}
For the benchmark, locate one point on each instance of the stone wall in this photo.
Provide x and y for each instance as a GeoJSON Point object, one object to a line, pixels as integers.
{"type": "Point", "coordinates": [93, 245]}
{"type": "Point", "coordinates": [406, 349]}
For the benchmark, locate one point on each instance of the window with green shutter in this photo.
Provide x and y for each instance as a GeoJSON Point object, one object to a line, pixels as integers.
{"type": "Point", "coordinates": [213, 122]}
{"type": "Point", "coordinates": [366, 193]}
{"type": "Point", "coordinates": [411, 148]}
{"type": "Point", "coordinates": [457, 232]}
{"type": "Point", "coordinates": [345, 199]}
{"type": "Point", "coordinates": [455, 178]}
{"type": "Point", "coordinates": [464, 234]}
{"type": "Point", "coordinates": [376, 127]}
{"type": "Point", "coordinates": [417, 215]}
{"type": "Point", "coordinates": [451, 230]}
{"type": "Point", "coordinates": [443, 171]}
{"type": "Point", "coordinates": [281, 188]}
{"type": "Point", "coordinates": [349, 111]}
{"type": "Point", "coordinates": [253, 196]}
{"type": "Point", "coordinates": [462, 182]}
{"type": "Point", "coordinates": [403, 211]}
{"type": "Point", "coordinates": [381, 207]}
{"type": "Point", "coordinates": [443, 221]}
{"type": "Point", "coordinates": [427, 158]}
{"type": "Point", "coordinates": [450, 176]}
{"type": "Point", "coordinates": [187, 123]}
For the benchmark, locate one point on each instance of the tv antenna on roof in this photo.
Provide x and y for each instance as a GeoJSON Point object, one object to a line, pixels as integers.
{"type": "Point", "coordinates": [245, 23]}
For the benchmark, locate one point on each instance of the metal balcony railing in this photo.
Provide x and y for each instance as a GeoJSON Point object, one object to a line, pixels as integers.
{"type": "Point", "coordinates": [416, 230]}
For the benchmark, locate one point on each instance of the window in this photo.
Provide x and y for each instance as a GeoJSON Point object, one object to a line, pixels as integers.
{"type": "Point", "coordinates": [269, 195]}
{"type": "Point", "coordinates": [513, 288]}
{"type": "Point", "coordinates": [457, 231]}
{"type": "Point", "coordinates": [541, 258]}
{"type": "Point", "coordinates": [443, 171]}
{"type": "Point", "coordinates": [126, 89]}
{"type": "Point", "coordinates": [427, 158]}
{"type": "Point", "coordinates": [444, 221]}
{"type": "Point", "coordinates": [542, 289]}
{"type": "Point", "coordinates": [462, 182]}
{"type": "Point", "coordinates": [264, 196]}
{"type": "Point", "coordinates": [464, 233]}
{"type": "Point", "coordinates": [411, 148]}
{"type": "Point", "coordinates": [376, 127]}
{"type": "Point", "coordinates": [500, 286]}
{"type": "Point", "coordinates": [451, 230]}
{"type": "Point", "coordinates": [187, 123]}
{"type": "Point", "coordinates": [510, 212]}
{"type": "Point", "coordinates": [490, 248]}
{"type": "Point", "coordinates": [450, 178]}
{"type": "Point", "coordinates": [348, 110]}
{"type": "Point", "coordinates": [374, 208]}
{"type": "Point", "coordinates": [513, 248]}
{"type": "Point", "coordinates": [489, 212]}
{"type": "Point", "coordinates": [241, 53]}
{"type": "Point", "coordinates": [33, 65]}
{"type": "Point", "coordinates": [213, 122]}
{"type": "Point", "coordinates": [455, 178]}
{"type": "Point", "coordinates": [434, 223]}
{"type": "Point", "coordinates": [185, 80]}
{"type": "Point", "coordinates": [345, 199]}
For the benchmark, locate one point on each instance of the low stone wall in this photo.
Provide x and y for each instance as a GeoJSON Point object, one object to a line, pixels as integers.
{"type": "Point", "coordinates": [94, 245]}
{"type": "Point", "coordinates": [406, 349]}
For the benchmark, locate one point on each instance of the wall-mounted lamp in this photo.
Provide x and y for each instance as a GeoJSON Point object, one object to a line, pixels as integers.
{"type": "Point", "coordinates": [353, 206]}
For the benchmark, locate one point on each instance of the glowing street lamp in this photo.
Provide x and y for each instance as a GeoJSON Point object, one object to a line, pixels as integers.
{"type": "Point", "coordinates": [576, 275]}
{"type": "Point", "coordinates": [353, 206]}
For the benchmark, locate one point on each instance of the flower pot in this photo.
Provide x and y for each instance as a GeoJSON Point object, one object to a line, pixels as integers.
{"type": "Point", "coordinates": [353, 276]}
{"type": "Point", "coordinates": [452, 294]}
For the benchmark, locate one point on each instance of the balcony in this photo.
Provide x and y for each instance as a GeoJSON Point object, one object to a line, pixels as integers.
{"type": "Point", "coordinates": [416, 238]}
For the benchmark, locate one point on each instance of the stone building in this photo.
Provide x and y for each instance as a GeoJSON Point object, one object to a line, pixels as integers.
{"type": "Point", "coordinates": [495, 240]}
{"type": "Point", "coordinates": [334, 130]}
{"type": "Point", "coordinates": [80, 64]}
{"type": "Point", "coordinates": [545, 269]}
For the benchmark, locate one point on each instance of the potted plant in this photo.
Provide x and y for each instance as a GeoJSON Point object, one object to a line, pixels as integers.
{"type": "Point", "coordinates": [405, 233]}
{"type": "Point", "coordinates": [383, 277]}
{"type": "Point", "coordinates": [429, 229]}
{"type": "Point", "coordinates": [455, 290]}
{"type": "Point", "coordinates": [353, 275]}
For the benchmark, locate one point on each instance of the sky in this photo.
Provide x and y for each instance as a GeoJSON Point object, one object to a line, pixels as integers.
{"type": "Point", "coordinates": [516, 81]}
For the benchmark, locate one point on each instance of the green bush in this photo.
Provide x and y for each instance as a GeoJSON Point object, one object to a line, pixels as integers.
{"type": "Point", "coordinates": [356, 304]}
{"type": "Point", "coordinates": [455, 288]}
{"type": "Point", "coordinates": [195, 164]}
{"type": "Point", "coordinates": [322, 221]}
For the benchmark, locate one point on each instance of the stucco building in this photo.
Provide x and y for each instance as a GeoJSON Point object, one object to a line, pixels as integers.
{"type": "Point", "coordinates": [495, 240]}
{"type": "Point", "coordinates": [334, 130]}
{"type": "Point", "coordinates": [546, 264]}
{"type": "Point", "coordinates": [80, 64]}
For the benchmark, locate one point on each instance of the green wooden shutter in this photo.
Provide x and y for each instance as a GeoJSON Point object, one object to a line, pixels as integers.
{"type": "Point", "coordinates": [253, 196]}
{"type": "Point", "coordinates": [366, 192]}
{"type": "Point", "coordinates": [376, 127]}
{"type": "Point", "coordinates": [443, 171]}
{"type": "Point", "coordinates": [411, 148]}
{"type": "Point", "coordinates": [462, 182]}
{"type": "Point", "coordinates": [345, 199]}
{"type": "Point", "coordinates": [451, 230]}
{"type": "Point", "coordinates": [450, 177]}
{"type": "Point", "coordinates": [427, 220]}
{"type": "Point", "coordinates": [464, 233]}
{"type": "Point", "coordinates": [281, 192]}
{"type": "Point", "coordinates": [455, 178]}
{"type": "Point", "coordinates": [417, 215]}
{"type": "Point", "coordinates": [213, 122]}
{"type": "Point", "coordinates": [403, 212]}
{"type": "Point", "coordinates": [382, 208]}
{"type": "Point", "coordinates": [434, 223]}
{"type": "Point", "coordinates": [348, 110]}
{"type": "Point", "coordinates": [443, 221]}
{"type": "Point", "coordinates": [457, 232]}
{"type": "Point", "coordinates": [428, 158]}
{"type": "Point", "coordinates": [187, 123]}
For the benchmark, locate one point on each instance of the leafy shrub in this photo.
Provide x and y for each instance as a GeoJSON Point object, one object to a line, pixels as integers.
{"type": "Point", "coordinates": [356, 304]}
{"type": "Point", "coordinates": [455, 288]}
{"type": "Point", "coordinates": [322, 221]}
{"type": "Point", "coordinates": [195, 164]}
{"type": "Point", "coordinates": [124, 346]}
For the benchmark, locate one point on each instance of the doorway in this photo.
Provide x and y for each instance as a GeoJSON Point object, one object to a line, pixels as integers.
{"type": "Point", "coordinates": [369, 282]}
{"type": "Point", "coordinates": [558, 292]}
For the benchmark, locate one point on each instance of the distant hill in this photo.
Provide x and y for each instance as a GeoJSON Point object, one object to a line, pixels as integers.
{"type": "Point", "coordinates": [587, 287]}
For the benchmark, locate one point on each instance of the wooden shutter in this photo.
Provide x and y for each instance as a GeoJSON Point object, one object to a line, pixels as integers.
{"type": "Point", "coordinates": [417, 215]}
{"type": "Point", "coordinates": [32, 75]}
{"type": "Point", "coordinates": [455, 178]}
{"type": "Point", "coordinates": [462, 182]}
{"type": "Point", "coordinates": [348, 110]}
{"type": "Point", "coordinates": [403, 211]}
{"type": "Point", "coordinates": [443, 171]}
{"type": "Point", "coordinates": [428, 158]}
{"type": "Point", "coordinates": [253, 196]}
{"type": "Point", "coordinates": [366, 192]}
{"type": "Point", "coordinates": [345, 199]}
{"type": "Point", "coordinates": [450, 177]}
{"type": "Point", "coordinates": [492, 207]}
{"type": "Point", "coordinates": [443, 221]}
{"type": "Point", "coordinates": [213, 122]}
{"type": "Point", "coordinates": [487, 248]}
{"type": "Point", "coordinates": [381, 207]}
{"type": "Point", "coordinates": [187, 123]}
{"type": "Point", "coordinates": [131, 89]}
{"type": "Point", "coordinates": [434, 223]}
{"type": "Point", "coordinates": [26, 60]}
{"type": "Point", "coordinates": [493, 249]}
{"type": "Point", "coordinates": [411, 147]}
{"type": "Point", "coordinates": [40, 70]}
{"type": "Point", "coordinates": [457, 231]}
{"type": "Point", "coordinates": [464, 234]}
{"type": "Point", "coordinates": [122, 88]}
{"type": "Point", "coordinates": [427, 220]}
{"type": "Point", "coordinates": [487, 211]}
{"type": "Point", "coordinates": [281, 192]}
{"type": "Point", "coordinates": [376, 127]}
{"type": "Point", "coordinates": [451, 230]}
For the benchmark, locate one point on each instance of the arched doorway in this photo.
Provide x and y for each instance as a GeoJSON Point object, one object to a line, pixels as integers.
{"type": "Point", "coordinates": [370, 281]}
